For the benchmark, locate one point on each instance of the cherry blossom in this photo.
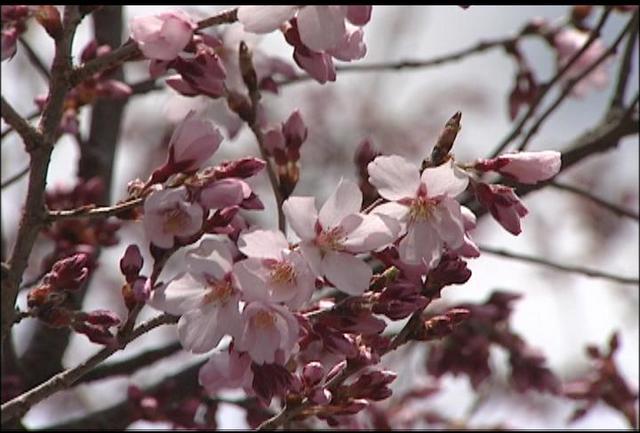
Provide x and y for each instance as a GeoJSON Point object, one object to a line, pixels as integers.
{"type": "Point", "coordinates": [567, 42]}
{"type": "Point", "coordinates": [269, 333]}
{"type": "Point", "coordinates": [332, 237]}
{"type": "Point", "coordinates": [525, 167]}
{"type": "Point", "coordinates": [193, 142]}
{"type": "Point", "coordinates": [168, 214]}
{"type": "Point", "coordinates": [162, 36]}
{"type": "Point", "coordinates": [272, 272]}
{"type": "Point", "coordinates": [226, 369]}
{"type": "Point", "coordinates": [423, 204]}
{"type": "Point", "coordinates": [205, 297]}
{"type": "Point", "coordinates": [504, 205]}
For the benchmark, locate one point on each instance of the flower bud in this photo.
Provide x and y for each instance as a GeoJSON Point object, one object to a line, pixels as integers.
{"type": "Point", "coordinates": [312, 373]}
{"type": "Point", "coordinates": [131, 263]}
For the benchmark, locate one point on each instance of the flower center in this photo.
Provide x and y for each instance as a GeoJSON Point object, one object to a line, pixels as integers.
{"type": "Point", "coordinates": [330, 240]}
{"type": "Point", "coordinates": [264, 319]}
{"type": "Point", "coordinates": [174, 220]}
{"type": "Point", "coordinates": [421, 209]}
{"type": "Point", "coordinates": [282, 273]}
{"type": "Point", "coordinates": [218, 291]}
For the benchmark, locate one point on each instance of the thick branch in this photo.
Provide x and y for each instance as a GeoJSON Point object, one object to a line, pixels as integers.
{"type": "Point", "coordinates": [21, 404]}
{"type": "Point", "coordinates": [625, 70]}
{"type": "Point", "coordinates": [565, 268]}
{"type": "Point", "coordinates": [32, 217]}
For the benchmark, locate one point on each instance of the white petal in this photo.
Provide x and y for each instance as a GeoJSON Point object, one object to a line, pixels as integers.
{"type": "Point", "coordinates": [449, 222]}
{"type": "Point", "coordinates": [394, 177]}
{"type": "Point", "coordinates": [211, 257]}
{"type": "Point", "coordinates": [180, 295]}
{"type": "Point", "coordinates": [394, 210]}
{"type": "Point", "coordinates": [321, 27]}
{"type": "Point", "coordinates": [345, 200]}
{"type": "Point", "coordinates": [313, 256]}
{"type": "Point", "coordinates": [252, 280]}
{"type": "Point", "coordinates": [200, 330]}
{"type": "Point", "coordinates": [266, 244]}
{"type": "Point", "coordinates": [264, 19]}
{"type": "Point", "coordinates": [421, 245]}
{"type": "Point", "coordinates": [348, 273]}
{"type": "Point", "coordinates": [444, 179]}
{"type": "Point", "coordinates": [302, 216]}
{"type": "Point", "coordinates": [374, 232]}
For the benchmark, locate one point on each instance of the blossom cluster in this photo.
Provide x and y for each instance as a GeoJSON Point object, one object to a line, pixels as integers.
{"type": "Point", "coordinates": [257, 286]}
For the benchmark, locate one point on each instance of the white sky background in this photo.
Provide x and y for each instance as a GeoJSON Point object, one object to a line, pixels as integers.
{"type": "Point", "coordinates": [559, 314]}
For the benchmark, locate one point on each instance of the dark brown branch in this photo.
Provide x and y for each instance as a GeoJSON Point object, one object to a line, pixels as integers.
{"type": "Point", "coordinates": [133, 364]}
{"type": "Point", "coordinates": [565, 268]}
{"type": "Point", "coordinates": [35, 60]}
{"type": "Point", "coordinates": [40, 153]}
{"type": "Point", "coordinates": [130, 50]}
{"type": "Point", "coordinates": [517, 130]}
{"type": "Point", "coordinates": [27, 119]}
{"type": "Point", "coordinates": [21, 404]}
{"type": "Point", "coordinates": [633, 23]}
{"type": "Point", "coordinates": [29, 134]}
{"type": "Point", "coordinates": [16, 177]}
{"type": "Point", "coordinates": [600, 202]}
{"type": "Point", "coordinates": [625, 70]}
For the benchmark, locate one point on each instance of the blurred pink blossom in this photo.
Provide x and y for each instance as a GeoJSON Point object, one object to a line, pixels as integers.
{"type": "Point", "coordinates": [504, 205]}
{"type": "Point", "coordinates": [162, 36]}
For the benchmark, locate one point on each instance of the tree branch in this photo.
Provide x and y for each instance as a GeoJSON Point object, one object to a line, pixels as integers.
{"type": "Point", "coordinates": [21, 404]}
{"type": "Point", "coordinates": [600, 202]}
{"type": "Point", "coordinates": [625, 70]}
{"type": "Point", "coordinates": [565, 268]}
{"type": "Point", "coordinates": [35, 60]}
{"type": "Point", "coordinates": [633, 23]}
{"type": "Point", "coordinates": [16, 177]}
{"type": "Point", "coordinates": [93, 212]}
{"type": "Point", "coordinates": [31, 137]}
{"type": "Point", "coordinates": [517, 130]}
{"type": "Point", "coordinates": [40, 153]}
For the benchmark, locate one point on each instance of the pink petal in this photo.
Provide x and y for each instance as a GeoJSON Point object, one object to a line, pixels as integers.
{"type": "Point", "coordinates": [264, 19]}
{"type": "Point", "coordinates": [351, 47]}
{"type": "Point", "coordinates": [394, 177]}
{"type": "Point", "coordinates": [180, 295]}
{"type": "Point", "coordinates": [348, 273]}
{"type": "Point", "coordinates": [267, 244]}
{"type": "Point", "coordinates": [321, 27]}
{"type": "Point", "coordinates": [212, 257]}
{"type": "Point", "coordinates": [224, 193]}
{"type": "Point", "coordinates": [373, 232]}
{"type": "Point", "coordinates": [200, 330]}
{"type": "Point", "coordinates": [301, 215]}
{"type": "Point", "coordinates": [444, 179]}
{"type": "Point", "coordinates": [313, 256]}
{"type": "Point", "coordinates": [421, 245]}
{"type": "Point", "coordinates": [252, 279]}
{"type": "Point", "coordinates": [394, 210]}
{"type": "Point", "coordinates": [319, 65]}
{"type": "Point", "coordinates": [345, 200]}
{"type": "Point", "coordinates": [449, 222]}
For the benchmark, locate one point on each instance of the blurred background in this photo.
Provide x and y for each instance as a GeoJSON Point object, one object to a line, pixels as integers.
{"type": "Point", "coordinates": [400, 112]}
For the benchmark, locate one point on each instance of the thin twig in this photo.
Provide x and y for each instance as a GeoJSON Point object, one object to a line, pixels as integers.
{"type": "Point", "coordinates": [133, 364]}
{"type": "Point", "coordinates": [21, 404]}
{"type": "Point", "coordinates": [565, 268]}
{"type": "Point", "coordinates": [27, 118]}
{"type": "Point", "coordinates": [29, 134]}
{"type": "Point", "coordinates": [571, 84]}
{"type": "Point", "coordinates": [412, 64]}
{"type": "Point", "coordinates": [93, 212]}
{"type": "Point", "coordinates": [517, 129]}
{"type": "Point", "coordinates": [625, 70]}
{"type": "Point", "coordinates": [600, 202]}
{"type": "Point", "coordinates": [129, 50]}
{"type": "Point", "coordinates": [35, 60]}
{"type": "Point", "coordinates": [16, 177]}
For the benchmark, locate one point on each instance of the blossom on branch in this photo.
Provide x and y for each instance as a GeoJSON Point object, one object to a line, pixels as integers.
{"type": "Point", "coordinates": [162, 36]}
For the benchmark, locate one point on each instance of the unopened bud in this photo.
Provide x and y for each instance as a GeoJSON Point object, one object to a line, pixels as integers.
{"type": "Point", "coordinates": [443, 146]}
{"type": "Point", "coordinates": [49, 17]}
{"type": "Point", "coordinates": [312, 373]}
{"type": "Point", "coordinates": [246, 67]}
{"type": "Point", "coordinates": [131, 263]}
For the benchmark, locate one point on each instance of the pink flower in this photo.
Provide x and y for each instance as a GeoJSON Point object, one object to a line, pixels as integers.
{"type": "Point", "coordinates": [203, 74]}
{"type": "Point", "coordinates": [331, 238]}
{"type": "Point", "coordinates": [504, 205]}
{"type": "Point", "coordinates": [525, 167]}
{"type": "Point", "coordinates": [423, 204]}
{"type": "Point", "coordinates": [224, 193]}
{"type": "Point", "coordinates": [268, 329]}
{"type": "Point", "coordinates": [226, 369]}
{"type": "Point", "coordinates": [272, 272]}
{"type": "Point", "coordinates": [567, 42]}
{"type": "Point", "coordinates": [204, 297]}
{"type": "Point", "coordinates": [162, 36]}
{"type": "Point", "coordinates": [168, 214]}
{"type": "Point", "coordinates": [193, 142]}
{"type": "Point", "coordinates": [469, 247]}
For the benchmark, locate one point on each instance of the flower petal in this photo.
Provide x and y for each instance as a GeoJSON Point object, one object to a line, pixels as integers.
{"type": "Point", "coordinates": [212, 257]}
{"type": "Point", "coordinates": [200, 330]}
{"type": "Point", "coordinates": [421, 245]}
{"type": "Point", "coordinates": [394, 177]}
{"type": "Point", "coordinates": [321, 27]}
{"type": "Point", "coordinates": [267, 244]}
{"type": "Point", "coordinates": [302, 215]}
{"type": "Point", "coordinates": [345, 200]}
{"type": "Point", "coordinates": [373, 232]}
{"type": "Point", "coordinates": [181, 294]}
{"type": "Point", "coordinates": [446, 179]}
{"type": "Point", "coordinates": [348, 273]}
